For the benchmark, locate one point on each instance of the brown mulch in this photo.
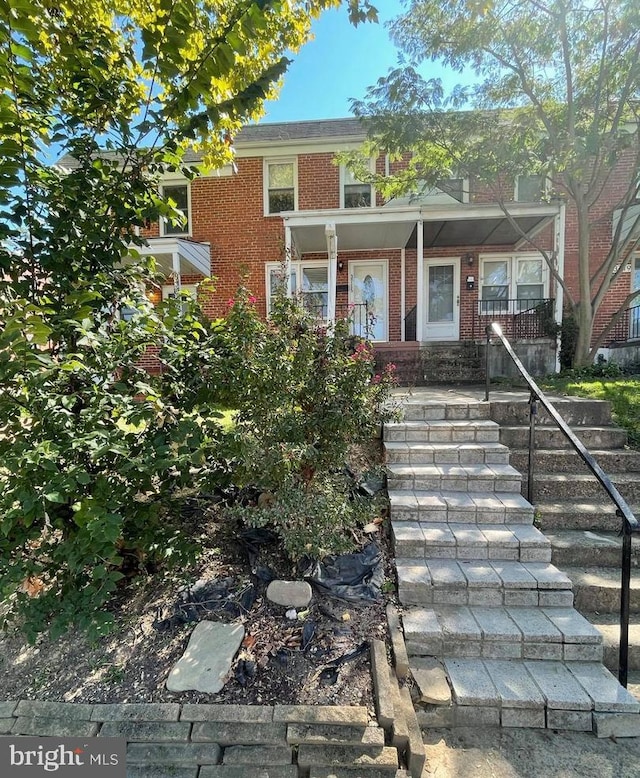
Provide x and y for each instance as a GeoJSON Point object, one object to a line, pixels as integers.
{"type": "Point", "coordinates": [281, 660]}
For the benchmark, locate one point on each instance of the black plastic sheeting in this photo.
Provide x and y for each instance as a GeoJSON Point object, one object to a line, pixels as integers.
{"type": "Point", "coordinates": [351, 577]}
{"type": "Point", "coordinates": [208, 598]}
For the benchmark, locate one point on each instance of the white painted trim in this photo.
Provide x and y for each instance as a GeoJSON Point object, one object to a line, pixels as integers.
{"type": "Point", "coordinates": [420, 290]}
{"type": "Point", "coordinates": [545, 189]}
{"type": "Point", "coordinates": [332, 270]}
{"type": "Point", "coordinates": [177, 181]}
{"type": "Point", "coordinates": [512, 257]}
{"type": "Point", "coordinates": [296, 265]}
{"type": "Point", "coordinates": [293, 147]}
{"type": "Point", "coordinates": [273, 160]}
{"type": "Point", "coordinates": [403, 294]}
{"type": "Point", "coordinates": [168, 290]}
{"type": "Point", "coordinates": [288, 262]}
{"type": "Point", "coordinates": [343, 169]}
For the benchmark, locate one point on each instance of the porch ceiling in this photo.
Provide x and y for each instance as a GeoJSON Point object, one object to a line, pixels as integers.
{"type": "Point", "coordinates": [195, 258]}
{"type": "Point", "coordinates": [387, 228]}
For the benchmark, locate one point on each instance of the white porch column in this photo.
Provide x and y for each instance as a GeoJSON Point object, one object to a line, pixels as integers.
{"type": "Point", "coordinates": [332, 275]}
{"type": "Point", "coordinates": [287, 260]}
{"type": "Point", "coordinates": [420, 283]}
{"type": "Point", "coordinates": [177, 281]}
{"type": "Point", "coordinates": [403, 295]}
{"type": "Point", "coordinates": [559, 243]}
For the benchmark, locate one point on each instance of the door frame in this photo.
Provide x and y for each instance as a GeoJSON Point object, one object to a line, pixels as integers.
{"type": "Point", "coordinates": [454, 334]}
{"type": "Point", "coordinates": [384, 264]}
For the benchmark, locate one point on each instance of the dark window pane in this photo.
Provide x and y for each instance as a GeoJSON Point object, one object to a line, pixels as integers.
{"type": "Point", "coordinates": [454, 187]}
{"type": "Point", "coordinates": [178, 194]}
{"type": "Point", "coordinates": [530, 189]}
{"type": "Point", "coordinates": [281, 200]}
{"type": "Point", "coordinates": [357, 195]}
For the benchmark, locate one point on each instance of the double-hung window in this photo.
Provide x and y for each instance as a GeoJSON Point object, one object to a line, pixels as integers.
{"type": "Point", "coordinates": [280, 190]}
{"type": "Point", "coordinates": [178, 195]}
{"type": "Point", "coordinates": [530, 188]}
{"type": "Point", "coordinates": [512, 283]}
{"type": "Point", "coordinates": [354, 193]}
{"type": "Point", "coordinates": [309, 282]}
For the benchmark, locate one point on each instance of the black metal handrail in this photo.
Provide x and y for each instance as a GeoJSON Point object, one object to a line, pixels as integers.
{"type": "Point", "coordinates": [626, 328]}
{"type": "Point", "coordinates": [629, 522]}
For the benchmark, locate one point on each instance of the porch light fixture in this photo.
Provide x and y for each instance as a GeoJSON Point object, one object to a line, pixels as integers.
{"type": "Point", "coordinates": [341, 266]}
{"type": "Point", "coordinates": [468, 258]}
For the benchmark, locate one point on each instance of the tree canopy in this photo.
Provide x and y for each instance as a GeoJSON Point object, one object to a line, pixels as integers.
{"type": "Point", "coordinates": [554, 92]}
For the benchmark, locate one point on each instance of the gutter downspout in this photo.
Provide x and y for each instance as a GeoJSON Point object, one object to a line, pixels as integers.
{"type": "Point", "coordinates": [559, 239]}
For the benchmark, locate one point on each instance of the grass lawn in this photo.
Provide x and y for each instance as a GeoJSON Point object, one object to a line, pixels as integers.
{"type": "Point", "coordinates": [623, 393]}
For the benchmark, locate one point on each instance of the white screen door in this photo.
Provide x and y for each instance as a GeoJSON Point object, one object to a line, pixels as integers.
{"type": "Point", "coordinates": [368, 298]}
{"type": "Point", "coordinates": [442, 299]}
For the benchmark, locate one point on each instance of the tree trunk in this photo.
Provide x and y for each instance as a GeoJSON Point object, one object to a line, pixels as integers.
{"type": "Point", "coordinates": [585, 312]}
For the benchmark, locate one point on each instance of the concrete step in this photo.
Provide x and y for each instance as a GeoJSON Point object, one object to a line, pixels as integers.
{"type": "Point", "coordinates": [620, 460]}
{"type": "Point", "coordinates": [576, 411]}
{"type": "Point", "coordinates": [608, 624]}
{"type": "Point", "coordinates": [567, 486]}
{"type": "Point", "coordinates": [454, 478]}
{"type": "Point", "coordinates": [441, 540]}
{"type": "Point", "coordinates": [551, 438]}
{"type": "Point", "coordinates": [578, 514]}
{"type": "Point", "coordinates": [584, 548]}
{"type": "Point", "coordinates": [355, 772]}
{"type": "Point", "coordinates": [404, 452]}
{"type": "Point", "coordinates": [471, 431]}
{"type": "Point", "coordinates": [578, 696]}
{"type": "Point", "coordinates": [501, 633]}
{"type": "Point", "coordinates": [469, 507]}
{"type": "Point", "coordinates": [490, 583]}
{"type": "Point", "coordinates": [327, 734]}
{"type": "Point", "coordinates": [598, 589]}
{"type": "Point", "coordinates": [432, 410]}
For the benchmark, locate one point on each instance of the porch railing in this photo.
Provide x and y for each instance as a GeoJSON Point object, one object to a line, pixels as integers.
{"type": "Point", "coordinates": [358, 315]}
{"type": "Point", "coordinates": [626, 328]}
{"type": "Point", "coordinates": [518, 318]}
{"type": "Point", "coordinates": [629, 522]}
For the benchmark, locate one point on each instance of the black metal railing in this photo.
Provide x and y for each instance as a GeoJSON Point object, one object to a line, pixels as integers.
{"type": "Point", "coordinates": [360, 319]}
{"type": "Point", "coordinates": [629, 522]}
{"type": "Point", "coordinates": [410, 324]}
{"type": "Point", "coordinates": [626, 328]}
{"type": "Point", "coordinates": [518, 318]}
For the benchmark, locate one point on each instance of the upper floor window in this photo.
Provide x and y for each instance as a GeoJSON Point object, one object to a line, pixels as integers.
{"type": "Point", "coordinates": [509, 284]}
{"type": "Point", "coordinates": [354, 193]}
{"type": "Point", "coordinates": [309, 281]}
{"type": "Point", "coordinates": [530, 188]}
{"type": "Point", "coordinates": [280, 186]}
{"type": "Point", "coordinates": [178, 194]}
{"type": "Point", "coordinates": [455, 187]}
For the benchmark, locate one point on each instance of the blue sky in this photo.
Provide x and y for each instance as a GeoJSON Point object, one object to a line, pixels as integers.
{"type": "Point", "coordinates": [340, 63]}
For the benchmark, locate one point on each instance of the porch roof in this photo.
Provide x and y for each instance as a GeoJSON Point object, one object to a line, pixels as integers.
{"type": "Point", "coordinates": [194, 258]}
{"type": "Point", "coordinates": [395, 227]}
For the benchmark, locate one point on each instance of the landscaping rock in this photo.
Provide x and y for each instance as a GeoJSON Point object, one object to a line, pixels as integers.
{"type": "Point", "coordinates": [293, 594]}
{"type": "Point", "coordinates": [431, 681]}
{"type": "Point", "coordinates": [207, 659]}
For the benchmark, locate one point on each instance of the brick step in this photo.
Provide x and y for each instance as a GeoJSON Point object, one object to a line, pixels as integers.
{"type": "Point", "coordinates": [470, 507]}
{"type": "Point", "coordinates": [471, 431]}
{"type": "Point", "coordinates": [551, 438]}
{"type": "Point", "coordinates": [441, 540]}
{"type": "Point", "coordinates": [454, 478]}
{"type": "Point", "coordinates": [608, 625]}
{"type": "Point", "coordinates": [404, 452]}
{"type": "Point", "coordinates": [432, 410]}
{"type": "Point", "coordinates": [598, 589]}
{"type": "Point", "coordinates": [619, 460]}
{"type": "Point", "coordinates": [578, 696]}
{"type": "Point", "coordinates": [586, 548]}
{"type": "Point", "coordinates": [578, 514]}
{"type": "Point", "coordinates": [576, 411]}
{"type": "Point", "coordinates": [567, 486]}
{"type": "Point", "coordinates": [384, 760]}
{"type": "Point", "coordinates": [501, 633]}
{"type": "Point", "coordinates": [491, 583]}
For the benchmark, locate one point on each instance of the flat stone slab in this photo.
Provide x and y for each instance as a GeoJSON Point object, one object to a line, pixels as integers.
{"type": "Point", "coordinates": [348, 756]}
{"type": "Point", "coordinates": [341, 715]}
{"type": "Point", "coordinates": [257, 756]}
{"type": "Point", "coordinates": [165, 754]}
{"type": "Point", "coordinates": [204, 665]}
{"type": "Point", "coordinates": [431, 679]}
{"type": "Point", "coordinates": [616, 724]}
{"type": "Point", "coordinates": [603, 688]}
{"type": "Point", "coordinates": [235, 733]}
{"type": "Point", "coordinates": [471, 682]}
{"type": "Point", "coordinates": [515, 687]}
{"type": "Point", "coordinates": [241, 714]}
{"type": "Point", "coordinates": [290, 594]}
{"type": "Point", "coordinates": [316, 734]}
{"type": "Point", "coordinates": [247, 771]}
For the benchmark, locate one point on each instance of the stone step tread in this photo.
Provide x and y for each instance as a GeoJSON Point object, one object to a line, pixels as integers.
{"type": "Point", "coordinates": [355, 772]}
{"type": "Point", "coordinates": [462, 431]}
{"type": "Point", "coordinates": [444, 469]}
{"type": "Point", "coordinates": [602, 577]}
{"type": "Point", "coordinates": [415, 408]}
{"type": "Point", "coordinates": [501, 633]}
{"type": "Point", "coordinates": [365, 758]}
{"type": "Point", "coordinates": [420, 424]}
{"type": "Point", "coordinates": [446, 453]}
{"type": "Point", "coordinates": [572, 506]}
{"type": "Point", "coordinates": [537, 684]}
{"type": "Point", "coordinates": [490, 573]}
{"type": "Point", "coordinates": [519, 542]}
{"type": "Point", "coordinates": [584, 478]}
{"type": "Point", "coordinates": [589, 539]}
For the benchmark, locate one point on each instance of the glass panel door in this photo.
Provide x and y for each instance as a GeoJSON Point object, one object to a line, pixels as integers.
{"type": "Point", "coordinates": [368, 300]}
{"type": "Point", "coordinates": [442, 278]}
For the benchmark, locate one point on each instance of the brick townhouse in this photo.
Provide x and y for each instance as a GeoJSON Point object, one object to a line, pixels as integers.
{"type": "Point", "coordinates": [421, 277]}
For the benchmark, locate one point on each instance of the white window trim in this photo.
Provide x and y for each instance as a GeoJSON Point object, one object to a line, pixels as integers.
{"type": "Point", "coordinates": [343, 170]}
{"type": "Point", "coordinates": [546, 189]}
{"type": "Point", "coordinates": [512, 260]}
{"type": "Point", "coordinates": [168, 290]}
{"type": "Point", "coordinates": [163, 222]}
{"type": "Point", "coordinates": [297, 267]}
{"type": "Point", "coordinates": [265, 181]}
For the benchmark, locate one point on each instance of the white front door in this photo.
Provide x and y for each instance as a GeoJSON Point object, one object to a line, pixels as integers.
{"type": "Point", "coordinates": [368, 299]}
{"type": "Point", "coordinates": [442, 299]}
